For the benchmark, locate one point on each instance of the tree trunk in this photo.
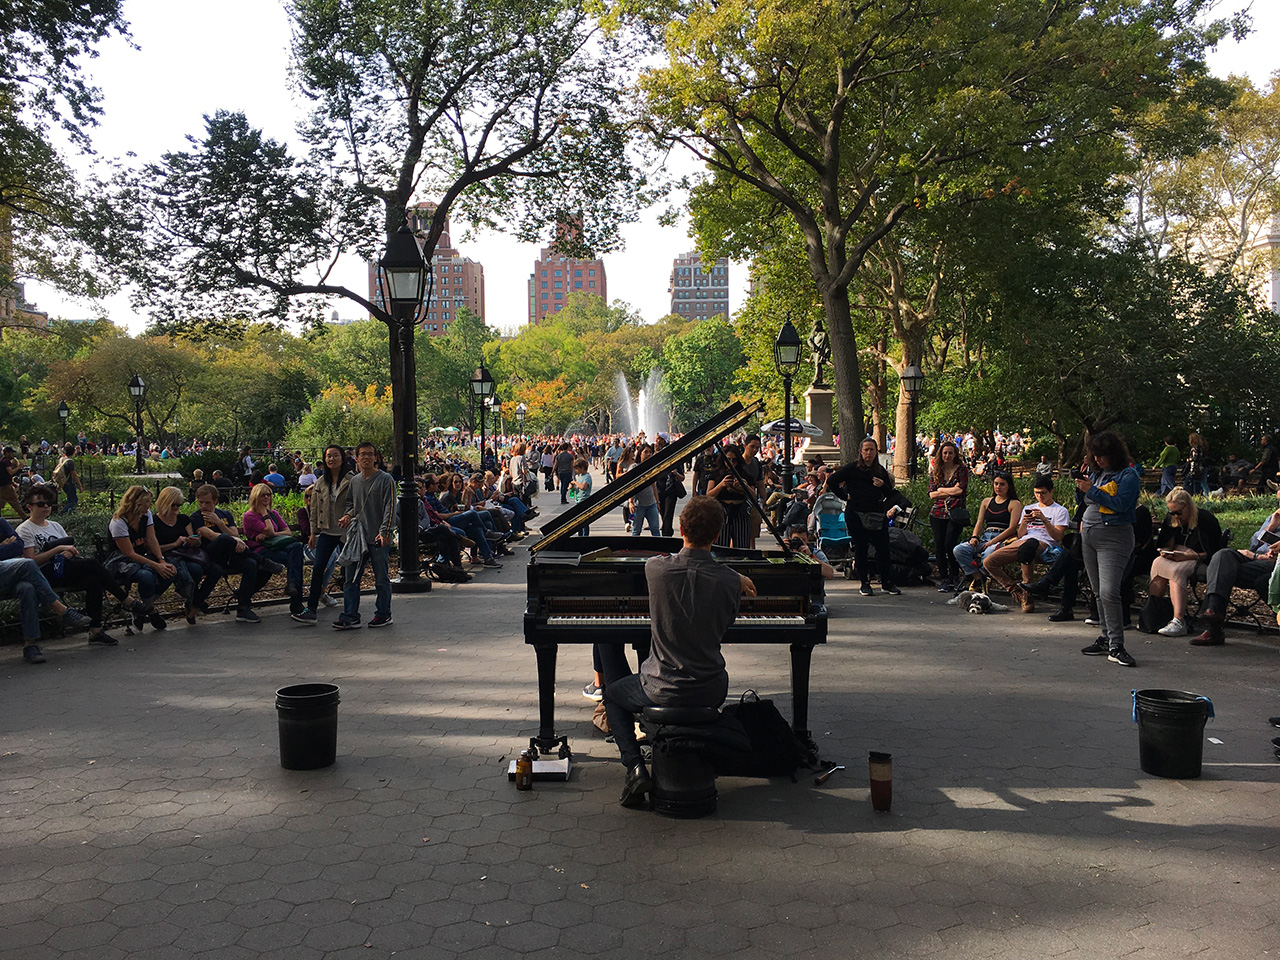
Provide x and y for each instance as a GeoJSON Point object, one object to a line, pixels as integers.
{"type": "Point", "coordinates": [845, 366]}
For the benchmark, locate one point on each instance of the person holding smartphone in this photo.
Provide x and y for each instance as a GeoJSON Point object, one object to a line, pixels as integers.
{"type": "Point", "coordinates": [1106, 537]}
{"type": "Point", "coordinates": [1188, 537]}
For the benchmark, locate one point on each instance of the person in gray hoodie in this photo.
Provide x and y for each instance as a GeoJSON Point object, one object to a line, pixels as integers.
{"type": "Point", "coordinates": [372, 493]}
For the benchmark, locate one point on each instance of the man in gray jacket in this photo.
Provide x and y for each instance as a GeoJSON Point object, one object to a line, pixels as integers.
{"type": "Point", "coordinates": [372, 508]}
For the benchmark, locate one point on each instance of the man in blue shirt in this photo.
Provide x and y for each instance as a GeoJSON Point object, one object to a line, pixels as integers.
{"type": "Point", "coordinates": [274, 477]}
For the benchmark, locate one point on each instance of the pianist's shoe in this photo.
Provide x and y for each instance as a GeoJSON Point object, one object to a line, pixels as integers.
{"type": "Point", "coordinates": [636, 787]}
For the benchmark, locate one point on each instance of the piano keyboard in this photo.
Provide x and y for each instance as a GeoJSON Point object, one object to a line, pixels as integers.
{"type": "Point", "coordinates": [635, 620]}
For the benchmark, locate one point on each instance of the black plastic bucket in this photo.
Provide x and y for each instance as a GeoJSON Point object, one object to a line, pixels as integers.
{"type": "Point", "coordinates": [1171, 731]}
{"type": "Point", "coordinates": [308, 717]}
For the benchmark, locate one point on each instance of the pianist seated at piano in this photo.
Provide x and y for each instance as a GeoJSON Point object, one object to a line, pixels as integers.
{"type": "Point", "coordinates": [693, 600]}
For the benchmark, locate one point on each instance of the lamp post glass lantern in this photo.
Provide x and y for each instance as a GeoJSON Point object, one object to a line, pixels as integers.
{"type": "Point", "coordinates": [912, 382]}
{"type": "Point", "coordinates": [786, 357]}
{"type": "Point", "coordinates": [520, 415]}
{"type": "Point", "coordinates": [137, 390]}
{"type": "Point", "coordinates": [404, 272]}
{"type": "Point", "coordinates": [481, 389]}
{"type": "Point", "coordinates": [63, 413]}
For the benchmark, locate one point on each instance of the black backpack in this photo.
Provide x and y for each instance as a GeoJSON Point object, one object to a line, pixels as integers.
{"type": "Point", "coordinates": [775, 749]}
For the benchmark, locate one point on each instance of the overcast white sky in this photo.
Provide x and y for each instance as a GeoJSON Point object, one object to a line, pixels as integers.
{"type": "Point", "coordinates": [195, 58]}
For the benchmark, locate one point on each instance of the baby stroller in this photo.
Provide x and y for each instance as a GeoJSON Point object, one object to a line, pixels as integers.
{"type": "Point", "coordinates": [833, 535]}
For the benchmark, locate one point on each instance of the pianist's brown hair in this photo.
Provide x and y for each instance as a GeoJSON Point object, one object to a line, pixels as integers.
{"type": "Point", "coordinates": [701, 520]}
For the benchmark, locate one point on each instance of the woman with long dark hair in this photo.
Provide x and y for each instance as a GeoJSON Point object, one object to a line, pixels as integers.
{"type": "Point", "coordinates": [330, 498]}
{"type": "Point", "coordinates": [948, 486]}
{"type": "Point", "coordinates": [1106, 535]}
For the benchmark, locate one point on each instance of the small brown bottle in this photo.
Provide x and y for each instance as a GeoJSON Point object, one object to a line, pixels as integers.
{"type": "Point", "coordinates": [524, 770]}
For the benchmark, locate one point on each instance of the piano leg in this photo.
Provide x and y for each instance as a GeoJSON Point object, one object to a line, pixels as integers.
{"type": "Point", "coordinates": [546, 741]}
{"type": "Point", "coordinates": [801, 655]}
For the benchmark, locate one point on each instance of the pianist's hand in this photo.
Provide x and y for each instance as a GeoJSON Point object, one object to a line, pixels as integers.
{"type": "Point", "coordinates": [748, 588]}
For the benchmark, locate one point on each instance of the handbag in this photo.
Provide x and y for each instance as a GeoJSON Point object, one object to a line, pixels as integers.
{"type": "Point", "coordinates": [193, 555]}
{"type": "Point", "coordinates": [1155, 613]}
{"type": "Point", "coordinates": [281, 541]}
{"type": "Point", "coordinates": [872, 521]}
{"type": "Point", "coordinates": [960, 514]}
{"type": "Point", "coordinates": [775, 749]}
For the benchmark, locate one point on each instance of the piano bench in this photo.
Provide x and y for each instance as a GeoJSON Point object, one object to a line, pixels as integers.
{"type": "Point", "coordinates": [684, 777]}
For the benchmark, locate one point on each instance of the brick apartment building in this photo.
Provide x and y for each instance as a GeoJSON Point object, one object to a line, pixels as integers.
{"type": "Point", "coordinates": [698, 293]}
{"type": "Point", "coordinates": [555, 276]}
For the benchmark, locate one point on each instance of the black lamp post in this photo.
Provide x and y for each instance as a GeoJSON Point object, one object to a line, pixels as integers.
{"type": "Point", "coordinates": [912, 381]}
{"type": "Point", "coordinates": [521, 410]}
{"type": "Point", "coordinates": [63, 412]}
{"type": "Point", "coordinates": [786, 356]}
{"type": "Point", "coordinates": [405, 272]}
{"type": "Point", "coordinates": [138, 390]}
{"type": "Point", "coordinates": [481, 390]}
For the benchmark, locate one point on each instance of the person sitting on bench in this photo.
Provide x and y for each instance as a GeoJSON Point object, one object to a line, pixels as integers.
{"type": "Point", "coordinates": [693, 600]}
{"type": "Point", "coordinates": [1248, 568]}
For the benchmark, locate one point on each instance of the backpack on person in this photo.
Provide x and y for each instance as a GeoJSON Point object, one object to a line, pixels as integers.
{"type": "Point", "coordinates": [60, 473]}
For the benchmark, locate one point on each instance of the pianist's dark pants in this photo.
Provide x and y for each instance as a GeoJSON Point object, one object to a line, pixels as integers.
{"type": "Point", "coordinates": [623, 699]}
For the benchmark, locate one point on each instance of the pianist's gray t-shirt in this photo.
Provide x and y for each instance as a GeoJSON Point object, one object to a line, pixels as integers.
{"type": "Point", "coordinates": [693, 600]}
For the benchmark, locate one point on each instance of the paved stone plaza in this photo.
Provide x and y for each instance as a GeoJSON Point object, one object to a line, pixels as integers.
{"type": "Point", "coordinates": [145, 814]}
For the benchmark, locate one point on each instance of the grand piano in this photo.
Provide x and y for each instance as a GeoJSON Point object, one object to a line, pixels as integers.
{"type": "Point", "coordinates": [584, 590]}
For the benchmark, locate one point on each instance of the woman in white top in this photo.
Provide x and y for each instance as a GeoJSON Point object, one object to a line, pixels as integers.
{"type": "Point", "coordinates": [137, 557]}
{"type": "Point", "coordinates": [46, 542]}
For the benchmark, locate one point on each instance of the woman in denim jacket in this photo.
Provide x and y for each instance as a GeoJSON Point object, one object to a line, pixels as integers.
{"type": "Point", "coordinates": [1106, 536]}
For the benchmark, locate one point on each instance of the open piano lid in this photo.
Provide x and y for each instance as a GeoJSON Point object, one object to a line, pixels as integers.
{"type": "Point", "coordinates": [709, 431]}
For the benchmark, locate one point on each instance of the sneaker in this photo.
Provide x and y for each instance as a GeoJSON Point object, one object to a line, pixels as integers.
{"type": "Point", "coordinates": [31, 653]}
{"type": "Point", "coordinates": [270, 566]}
{"type": "Point", "coordinates": [944, 586]}
{"type": "Point", "coordinates": [344, 624]}
{"type": "Point", "coordinates": [890, 589]}
{"type": "Point", "coordinates": [1061, 616]}
{"type": "Point", "coordinates": [866, 590]}
{"type": "Point", "coordinates": [381, 621]}
{"type": "Point", "coordinates": [104, 638]}
{"type": "Point", "coordinates": [1174, 628]}
{"type": "Point", "coordinates": [327, 601]}
{"type": "Point", "coordinates": [592, 692]}
{"type": "Point", "coordinates": [306, 616]}
{"type": "Point", "coordinates": [1091, 620]}
{"type": "Point", "coordinates": [1099, 648]}
{"type": "Point", "coordinates": [156, 619]}
{"type": "Point", "coordinates": [1122, 657]}
{"type": "Point", "coordinates": [1274, 721]}
{"type": "Point", "coordinates": [247, 616]}
{"type": "Point", "coordinates": [492, 563]}
{"type": "Point", "coordinates": [74, 618]}
{"type": "Point", "coordinates": [292, 588]}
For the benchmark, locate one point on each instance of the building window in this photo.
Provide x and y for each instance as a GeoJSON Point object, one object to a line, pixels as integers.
{"type": "Point", "coordinates": [544, 273]}
{"type": "Point", "coordinates": [559, 274]}
{"type": "Point", "coordinates": [577, 273]}
{"type": "Point", "coordinates": [544, 294]}
{"type": "Point", "coordinates": [577, 284]}
{"type": "Point", "coordinates": [559, 296]}
{"type": "Point", "coordinates": [445, 315]}
{"type": "Point", "coordinates": [591, 283]}
{"type": "Point", "coordinates": [591, 273]}
{"type": "Point", "coordinates": [446, 328]}
{"type": "Point", "coordinates": [559, 284]}
{"type": "Point", "coordinates": [544, 284]}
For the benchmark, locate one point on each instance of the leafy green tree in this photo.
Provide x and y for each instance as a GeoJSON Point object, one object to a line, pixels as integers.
{"type": "Point", "coordinates": [343, 414]}
{"type": "Point", "coordinates": [699, 368]}
{"type": "Point", "coordinates": [848, 119]}
{"type": "Point", "coordinates": [43, 44]}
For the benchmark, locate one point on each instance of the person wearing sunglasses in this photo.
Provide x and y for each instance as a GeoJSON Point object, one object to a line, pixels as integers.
{"type": "Point", "coordinates": [46, 542]}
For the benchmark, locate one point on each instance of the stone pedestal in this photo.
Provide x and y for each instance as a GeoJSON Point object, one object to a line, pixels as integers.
{"type": "Point", "coordinates": [817, 410]}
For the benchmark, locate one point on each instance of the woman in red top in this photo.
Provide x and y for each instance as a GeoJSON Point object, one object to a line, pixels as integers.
{"type": "Point", "coordinates": [948, 485]}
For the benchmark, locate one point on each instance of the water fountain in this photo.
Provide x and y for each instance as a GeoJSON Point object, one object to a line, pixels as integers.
{"type": "Point", "coordinates": [646, 412]}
